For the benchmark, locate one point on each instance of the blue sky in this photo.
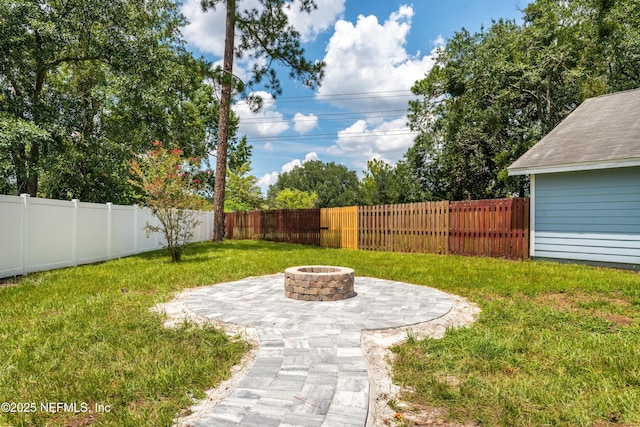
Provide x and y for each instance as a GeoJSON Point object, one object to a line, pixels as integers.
{"type": "Point", "coordinates": [374, 50]}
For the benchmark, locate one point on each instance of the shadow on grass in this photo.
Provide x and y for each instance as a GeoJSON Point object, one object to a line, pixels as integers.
{"type": "Point", "coordinates": [203, 252]}
{"type": "Point", "coordinates": [266, 245]}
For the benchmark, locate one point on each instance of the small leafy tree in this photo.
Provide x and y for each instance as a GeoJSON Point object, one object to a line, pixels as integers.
{"type": "Point", "coordinates": [242, 191]}
{"type": "Point", "coordinates": [170, 184]}
{"type": "Point", "coordinates": [376, 187]}
{"type": "Point", "coordinates": [291, 198]}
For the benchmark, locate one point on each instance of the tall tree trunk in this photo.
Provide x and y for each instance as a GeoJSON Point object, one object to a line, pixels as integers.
{"type": "Point", "coordinates": [33, 150]}
{"type": "Point", "coordinates": [223, 124]}
{"type": "Point", "coordinates": [18, 156]}
{"type": "Point", "coordinates": [33, 158]}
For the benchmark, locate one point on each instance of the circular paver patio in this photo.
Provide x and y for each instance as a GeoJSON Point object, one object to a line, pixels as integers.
{"type": "Point", "coordinates": [310, 369]}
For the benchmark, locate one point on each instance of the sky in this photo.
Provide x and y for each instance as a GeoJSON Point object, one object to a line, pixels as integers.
{"type": "Point", "coordinates": [374, 52]}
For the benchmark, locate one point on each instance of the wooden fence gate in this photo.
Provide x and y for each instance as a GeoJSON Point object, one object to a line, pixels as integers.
{"type": "Point", "coordinates": [339, 227]}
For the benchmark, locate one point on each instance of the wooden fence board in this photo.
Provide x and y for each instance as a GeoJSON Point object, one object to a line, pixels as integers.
{"type": "Point", "coordinates": [292, 226]}
{"type": "Point", "coordinates": [410, 227]}
{"type": "Point", "coordinates": [339, 227]}
{"type": "Point", "coordinates": [496, 228]}
{"type": "Point", "coordinates": [243, 225]}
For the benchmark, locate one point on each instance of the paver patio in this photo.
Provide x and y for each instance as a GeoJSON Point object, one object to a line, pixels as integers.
{"type": "Point", "coordinates": [310, 369]}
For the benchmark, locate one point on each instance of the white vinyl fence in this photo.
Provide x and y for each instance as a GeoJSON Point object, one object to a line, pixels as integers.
{"type": "Point", "coordinates": [43, 234]}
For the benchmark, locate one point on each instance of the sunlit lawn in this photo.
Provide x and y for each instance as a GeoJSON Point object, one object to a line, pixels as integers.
{"type": "Point", "coordinates": [554, 344]}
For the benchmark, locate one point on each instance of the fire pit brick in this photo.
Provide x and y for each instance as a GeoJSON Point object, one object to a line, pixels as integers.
{"type": "Point", "coordinates": [318, 283]}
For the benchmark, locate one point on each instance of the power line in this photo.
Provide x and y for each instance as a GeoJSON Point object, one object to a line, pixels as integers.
{"type": "Point", "coordinates": [341, 98]}
{"type": "Point", "coordinates": [379, 114]}
{"type": "Point", "coordinates": [323, 117]}
{"type": "Point", "coordinates": [347, 94]}
{"type": "Point", "coordinates": [377, 134]}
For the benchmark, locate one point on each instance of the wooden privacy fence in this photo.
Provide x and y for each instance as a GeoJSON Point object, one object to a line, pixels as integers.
{"type": "Point", "coordinates": [282, 225]}
{"type": "Point", "coordinates": [243, 225]}
{"type": "Point", "coordinates": [496, 228]}
{"type": "Point", "coordinates": [411, 227]}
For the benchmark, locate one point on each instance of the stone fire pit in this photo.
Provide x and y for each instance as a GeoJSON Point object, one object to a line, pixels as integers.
{"type": "Point", "coordinates": [318, 283]}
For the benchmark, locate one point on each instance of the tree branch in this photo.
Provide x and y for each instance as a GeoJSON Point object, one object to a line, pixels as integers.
{"type": "Point", "coordinates": [70, 59]}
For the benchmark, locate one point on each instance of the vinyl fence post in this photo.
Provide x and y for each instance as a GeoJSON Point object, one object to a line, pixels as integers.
{"type": "Point", "coordinates": [135, 228]}
{"type": "Point", "coordinates": [211, 219]}
{"type": "Point", "coordinates": [109, 220]}
{"type": "Point", "coordinates": [25, 232]}
{"type": "Point", "coordinates": [74, 233]}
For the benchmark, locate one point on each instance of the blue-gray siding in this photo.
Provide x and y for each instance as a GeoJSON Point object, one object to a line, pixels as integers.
{"type": "Point", "coordinates": [589, 215]}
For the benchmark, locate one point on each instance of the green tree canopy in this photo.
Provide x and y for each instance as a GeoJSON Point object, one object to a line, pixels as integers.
{"type": "Point", "coordinates": [95, 82]}
{"type": "Point", "coordinates": [493, 94]}
{"type": "Point", "coordinates": [416, 176]}
{"type": "Point", "coordinates": [334, 184]}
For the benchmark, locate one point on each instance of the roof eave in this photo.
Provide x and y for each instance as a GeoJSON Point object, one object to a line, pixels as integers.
{"type": "Point", "coordinates": [573, 167]}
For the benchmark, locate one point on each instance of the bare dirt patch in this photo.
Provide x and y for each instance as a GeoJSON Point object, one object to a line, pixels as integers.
{"type": "Point", "coordinates": [582, 304]}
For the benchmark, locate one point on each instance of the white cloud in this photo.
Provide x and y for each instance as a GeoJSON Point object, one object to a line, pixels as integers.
{"type": "Point", "coordinates": [439, 43]}
{"type": "Point", "coordinates": [311, 24]}
{"type": "Point", "coordinates": [288, 167]}
{"type": "Point", "coordinates": [268, 146]}
{"type": "Point", "coordinates": [266, 122]}
{"type": "Point", "coordinates": [386, 140]}
{"type": "Point", "coordinates": [371, 57]}
{"type": "Point", "coordinates": [206, 29]}
{"type": "Point", "coordinates": [304, 124]}
{"type": "Point", "coordinates": [266, 180]}
{"type": "Point", "coordinates": [311, 156]}
{"type": "Point", "coordinates": [270, 178]}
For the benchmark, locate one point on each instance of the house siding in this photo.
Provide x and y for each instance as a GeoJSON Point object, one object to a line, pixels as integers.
{"type": "Point", "coordinates": [588, 216]}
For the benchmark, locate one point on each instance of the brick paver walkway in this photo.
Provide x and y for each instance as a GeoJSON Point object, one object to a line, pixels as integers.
{"type": "Point", "coordinates": [310, 369]}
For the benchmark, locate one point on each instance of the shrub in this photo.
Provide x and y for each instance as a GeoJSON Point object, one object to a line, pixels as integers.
{"type": "Point", "coordinates": [170, 184]}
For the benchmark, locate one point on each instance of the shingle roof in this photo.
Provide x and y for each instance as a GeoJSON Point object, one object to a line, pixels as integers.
{"type": "Point", "coordinates": [602, 132]}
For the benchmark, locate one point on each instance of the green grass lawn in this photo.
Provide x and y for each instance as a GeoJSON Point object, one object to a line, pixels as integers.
{"type": "Point", "coordinates": [554, 344]}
